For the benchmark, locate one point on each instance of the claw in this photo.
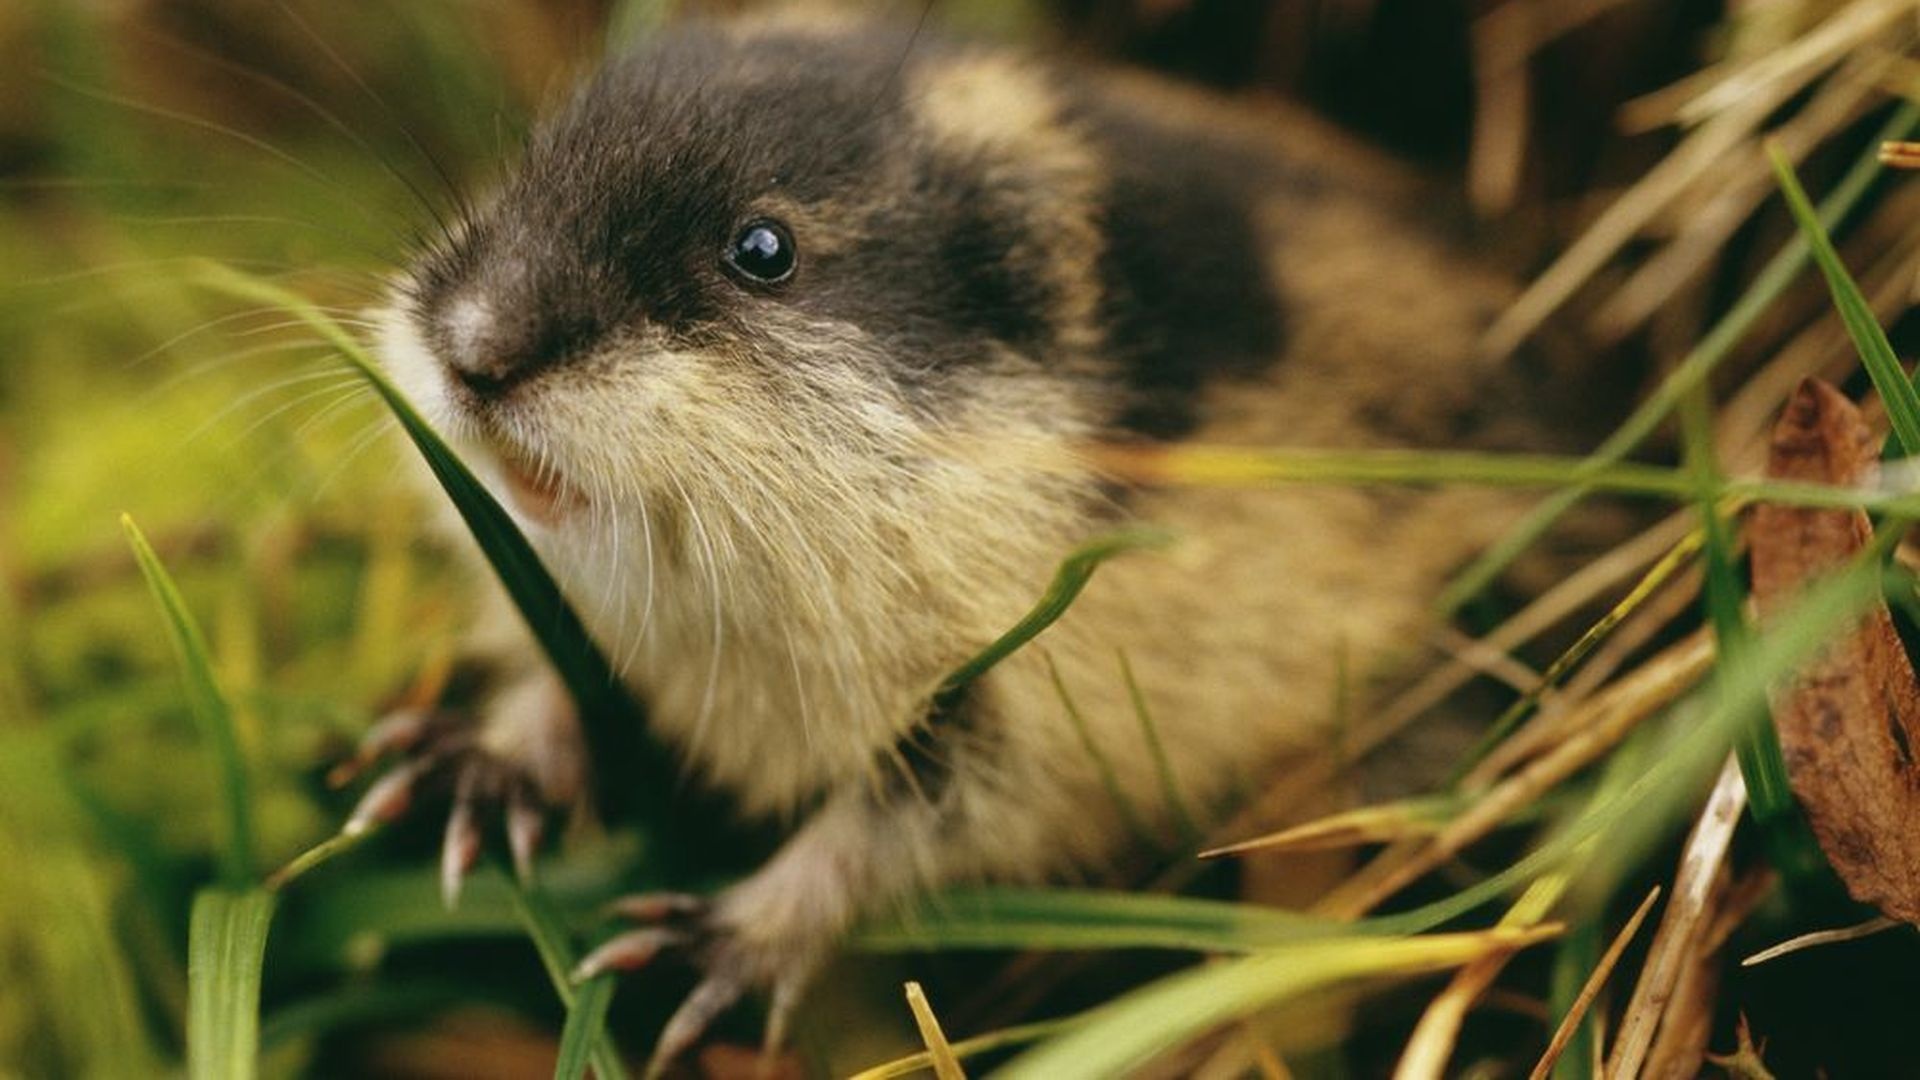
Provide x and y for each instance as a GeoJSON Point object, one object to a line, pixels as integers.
{"type": "Point", "coordinates": [391, 734]}
{"type": "Point", "coordinates": [526, 826]}
{"type": "Point", "coordinates": [658, 907]}
{"type": "Point", "coordinates": [461, 848]}
{"type": "Point", "coordinates": [781, 1004]}
{"type": "Point", "coordinates": [715, 995]}
{"type": "Point", "coordinates": [386, 800]}
{"type": "Point", "coordinates": [630, 951]}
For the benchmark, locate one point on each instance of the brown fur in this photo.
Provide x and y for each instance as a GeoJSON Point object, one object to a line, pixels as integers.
{"type": "Point", "coordinates": [819, 551]}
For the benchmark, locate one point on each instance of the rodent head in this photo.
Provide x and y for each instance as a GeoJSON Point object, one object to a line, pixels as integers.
{"type": "Point", "coordinates": [794, 287]}
{"type": "Point", "coordinates": [738, 233]}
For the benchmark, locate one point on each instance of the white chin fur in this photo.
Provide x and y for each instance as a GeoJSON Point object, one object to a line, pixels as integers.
{"type": "Point", "coordinates": [750, 550]}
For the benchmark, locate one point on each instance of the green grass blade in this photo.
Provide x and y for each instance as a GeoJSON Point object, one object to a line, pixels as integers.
{"type": "Point", "coordinates": [608, 717]}
{"type": "Point", "coordinates": [1002, 918]}
{"type": "Point", "coordinates": [1662, 571]}
{"type": "Point", "coordinates": [372, 1005]}
{"type": "Point", "coordinates": [1869, 340]}
{"type": "Point", "coordinates": [1785, 835]}
{"type": "Point", "coordinates": [319, 854]}
{"type": "Point", "coordinates": [1724, 596]}
{"type": "Point", "coordinates": [209, 707]}
{"type": "Point", "coordinates": [586, 1029]}
{"type": "Point", "coordinates": [1119, 1037]}
{"type": "Point", "coordinates": [1715, 347]}
{"type": "Point", "coordinates": [1791, 844]}
{"type": "Point", "coordinates": [1220, 466]}
{"type": "Point", "coordinates": [226, 944]}
{"type": "Point", "coordinates": [1130, 815]}
{"type": "Point", "coordinates": [1573, 961]}
{"type": "Point", "coordinates": [1074, 573]}
{"type": "Point", "coordinates": [1648, 802]}
{"type": "Point", "coordinates": [1190, 831]}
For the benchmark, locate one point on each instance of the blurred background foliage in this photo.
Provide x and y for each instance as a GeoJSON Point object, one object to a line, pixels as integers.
{"type": "Point", "coordinates": [300, 141]}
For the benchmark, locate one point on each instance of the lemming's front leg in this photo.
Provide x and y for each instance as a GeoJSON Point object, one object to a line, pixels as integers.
{"type": "Point", "coordinates": [509, 746]}
{"type": "Point", "coordinates": [772, 932]}
{"type": "Point", "coordinates": [769, 933]}
{"type": "Point", "coordinates": [515, 755]}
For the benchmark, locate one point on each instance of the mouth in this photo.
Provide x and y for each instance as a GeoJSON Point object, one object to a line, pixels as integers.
{"type": "Point", "coordinates": [537, 490]}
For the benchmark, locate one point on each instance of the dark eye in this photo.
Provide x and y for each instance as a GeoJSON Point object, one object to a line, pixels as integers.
{"type": "Point", "coordinates": [763, 252]}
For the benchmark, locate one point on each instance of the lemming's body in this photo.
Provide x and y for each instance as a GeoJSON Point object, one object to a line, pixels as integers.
{"type": "Point", "coordinates": [786, 343]}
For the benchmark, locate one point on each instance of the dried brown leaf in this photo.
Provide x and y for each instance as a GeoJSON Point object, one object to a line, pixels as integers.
{"type": "Point", "coordinates": [1850, 721]}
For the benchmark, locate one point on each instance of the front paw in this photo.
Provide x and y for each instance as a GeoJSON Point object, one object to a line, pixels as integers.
{"type": "Point", "coordinates": [453, 752]}
{"type": "Point", "coordinates": [733, 962]}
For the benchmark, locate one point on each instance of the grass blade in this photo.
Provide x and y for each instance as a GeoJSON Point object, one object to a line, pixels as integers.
{"type": "Point", "coordinates": [609, 719]}
{"type": "Point", "coordinates": [1869, 340]}
{"type": "Point", "coordinates": [1077, 919]}
{"type": "Point", "coordinates": [1724, 595]}
{"type": "Point", "coordinates": [1716, 346]}
{"type": "Point", "coordinates": [1074, 573]}
{"type": "Point", "coordinates": [1573, 962]}
{"type": "Point", "coordinates": [1129, 814]}
{"type": "Point", "coordinates": [226, 944]}
{"type": "Point", "coordinates": [1438, 1032]}
{"type": "Point", "coordinates": [1573, 1029]}
{"type": "Point", "coordinates": [1226, 466]}
{"type": "Point", "coordinates": [585, 1031]}
{"type": "Point", "coordinates": [1092, 919]}
{"type": "Point", "coordinates": [914, 1064]}
{"type": "Point", "coordinates": [1190, 831]}
{"type": "Point", "coordinates": [1379, 823]}
{"type": "Point", "coordinates": [210, 709]}
{"type": "Point", "coordinates": [1650, 583]}
{"type": "Point", "coordinates": [946, 1066]}
{"type": "Point", "coordinates": [585, 1039]}
{"type": "Point", "coordinates": [1116, 1038]}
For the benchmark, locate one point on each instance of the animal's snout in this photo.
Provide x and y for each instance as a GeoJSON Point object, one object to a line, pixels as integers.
{"type": "Point", "coordinates": [489, 350]}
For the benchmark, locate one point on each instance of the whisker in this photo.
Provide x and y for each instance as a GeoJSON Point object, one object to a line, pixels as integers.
{"type": "Point", "coordinates": [98, 270]}
{"type": "Point", "coordinates": [271, 388]}
{"type": "Point", "coordinates": [306, 101]}
{"type": "Point", "coordinates": [646, 606]}
{"type": "Point", "coordinates": [433, 162]}
{"type": "Point", "coordinates": [117, 293]}
{"type": "Point", "coordinates": [264, 464]}
{"type": "Point", "coordinates": [710, 562]}
{"type": "Point", "coordinates": [315, 350]}
{"type": "Point", "coordinates": [86, 183]}
{"type": "Point", "coordinates": [381, 424]}
{"type": "Point", "coordinates": [321, 179]}
{"type": "Point", "coordinates": [379, 255]}
{"type": "Point", "coordinates": [333, 392]}
{"type": "Point", "coordinates": [185, 335]}
{"type": "Point", "coordinates": [602, 501]}
{"type": "Point", "coordinates": [799, 689]}
{"type": "Point", "coordinates": [321, 415]}
{"type": "Point", "coordinates": [296, 323]}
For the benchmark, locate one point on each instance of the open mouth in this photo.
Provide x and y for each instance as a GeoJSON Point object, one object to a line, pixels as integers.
{"type": "Point", "coordinates": [538, 492]}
